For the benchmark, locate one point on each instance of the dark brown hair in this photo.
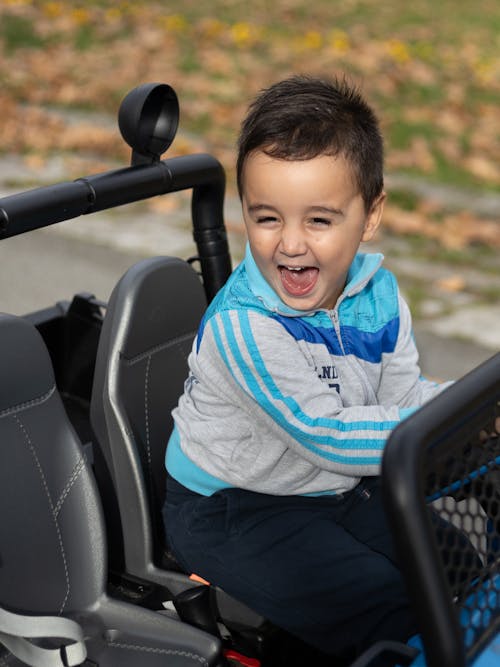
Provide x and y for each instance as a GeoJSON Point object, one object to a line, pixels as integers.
{"type": "Point", "coordinates": [302, 117]}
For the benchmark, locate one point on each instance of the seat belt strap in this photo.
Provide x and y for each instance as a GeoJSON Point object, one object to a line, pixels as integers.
{"type": "Point", "coordinates": [17, 629]}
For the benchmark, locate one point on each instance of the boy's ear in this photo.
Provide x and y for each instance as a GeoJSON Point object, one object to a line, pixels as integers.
{"type": "Point", "coordinates": [374, 217]}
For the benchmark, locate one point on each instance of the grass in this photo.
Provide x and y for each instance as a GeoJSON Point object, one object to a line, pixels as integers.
{"type": "Point", "coordinates": [480, 257]}
{"type": "Point", "coordinates": [415, 295]}
{"type": "Point", "coordinates": [404, 199]}
{"type": "Point", "coordinates": [432, 69]}
{"type": "Point", "coordinates": [18, 32]}
{"type": "Point", "coordinates": [401, 133]}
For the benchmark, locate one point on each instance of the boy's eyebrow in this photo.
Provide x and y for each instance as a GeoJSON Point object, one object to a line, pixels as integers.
{"type": "Point", "coordinates": [320, 209]}
{"type": "Point", "coordinates": [327, 209]}
{"type": "Point", "coordinates": [253, 208]}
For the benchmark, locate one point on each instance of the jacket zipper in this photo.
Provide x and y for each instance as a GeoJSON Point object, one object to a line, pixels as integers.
{"type": "Point", "coordinates": [336, 325]}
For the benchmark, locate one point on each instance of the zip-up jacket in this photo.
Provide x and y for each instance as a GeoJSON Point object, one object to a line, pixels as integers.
{"type": "Point", "coordinates": [285, 402]}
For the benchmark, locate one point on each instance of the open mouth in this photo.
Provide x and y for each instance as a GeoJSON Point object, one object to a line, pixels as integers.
{"type": "Point", "coordinates": [298, 280]}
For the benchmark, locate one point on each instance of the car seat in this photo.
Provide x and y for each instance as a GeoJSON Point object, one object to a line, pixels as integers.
{"type": "Point", "coordinates": [151, 320]}
{"type": "Point", "coordinates": [53, 553]}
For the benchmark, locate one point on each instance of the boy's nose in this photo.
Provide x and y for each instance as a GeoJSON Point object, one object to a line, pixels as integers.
{"type": "Point", "coordinates": [292, 243]}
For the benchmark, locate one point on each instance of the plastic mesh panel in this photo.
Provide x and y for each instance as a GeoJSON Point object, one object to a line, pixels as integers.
{"type": "Point", "coordinates": [463, 486]}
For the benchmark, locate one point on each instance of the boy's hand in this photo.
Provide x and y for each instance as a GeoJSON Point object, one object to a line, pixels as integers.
{"type": "Point", "coordinates": [494, 433]}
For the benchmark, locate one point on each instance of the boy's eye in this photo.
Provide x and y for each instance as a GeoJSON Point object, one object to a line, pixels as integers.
{"type": "Point", "coordinates": [321, 221]}
{"type": "Point", "coordinates": [267, 218]}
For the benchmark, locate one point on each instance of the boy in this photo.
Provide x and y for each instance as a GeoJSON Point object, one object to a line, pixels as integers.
{"type": "Point", "coordinates": [303, 365]}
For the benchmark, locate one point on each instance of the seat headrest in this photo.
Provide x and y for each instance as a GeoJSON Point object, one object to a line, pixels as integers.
{"type": "Point", "coordinates": [25, 366]}
{"type": "Point", "coordinates": [155, 297]}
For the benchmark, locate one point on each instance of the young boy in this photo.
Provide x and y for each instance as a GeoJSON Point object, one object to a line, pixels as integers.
{"type": "Point", "coordinates": [303, 365]}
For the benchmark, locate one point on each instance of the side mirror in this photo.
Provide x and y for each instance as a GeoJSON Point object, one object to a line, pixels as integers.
{"type": "Point", "coordinates": [148, 119]}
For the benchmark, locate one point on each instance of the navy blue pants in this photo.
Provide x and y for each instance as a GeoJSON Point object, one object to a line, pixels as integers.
{"type": "Point", "coordinates": [322, 568]}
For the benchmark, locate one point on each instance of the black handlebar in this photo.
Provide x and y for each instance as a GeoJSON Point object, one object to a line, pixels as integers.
{"type": "Point", "coordinates": [48, 205]}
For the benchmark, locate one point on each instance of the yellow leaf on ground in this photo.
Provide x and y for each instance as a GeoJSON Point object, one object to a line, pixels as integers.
{"type": "Point", "coordinates": [454, 283]}
{"type": "Point", "coordinates": [164, 204]}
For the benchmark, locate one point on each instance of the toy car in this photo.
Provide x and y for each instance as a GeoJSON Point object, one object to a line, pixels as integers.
{"type": "Point", "coordinates": [86, 391]}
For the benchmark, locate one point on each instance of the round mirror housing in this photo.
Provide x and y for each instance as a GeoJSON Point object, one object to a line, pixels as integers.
{"type": "Point", "coordinates": [148, 119]}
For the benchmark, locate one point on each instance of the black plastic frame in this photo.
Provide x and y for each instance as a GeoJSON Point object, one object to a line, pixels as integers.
{"type": "Point", "coordinates": [456, 411]}
{"type": "Point", "coordinates": [40, 207]}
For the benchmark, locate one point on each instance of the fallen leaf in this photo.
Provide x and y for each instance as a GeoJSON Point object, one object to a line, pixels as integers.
{"type": "Point", "coordinates": [483, 168]}
{"type": "Point", "coordinates": [164, 204]}
{"type": "Point", "coordinates": [453, 283]}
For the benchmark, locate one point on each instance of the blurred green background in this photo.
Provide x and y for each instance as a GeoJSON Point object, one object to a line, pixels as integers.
{"type": "Point", "coordinates": [430, 68]}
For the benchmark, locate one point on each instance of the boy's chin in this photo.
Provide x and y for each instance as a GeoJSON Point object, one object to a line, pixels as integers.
{"type": "Point", "coordinates": [306, 303]}
{"type": "Point", "coordinates": [302, 304]}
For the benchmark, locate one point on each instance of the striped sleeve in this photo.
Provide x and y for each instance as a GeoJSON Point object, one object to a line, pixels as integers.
{"type": "Point", "coordinates": [402, 383]}
{"type": "Point", "coordinates": [279, 386]}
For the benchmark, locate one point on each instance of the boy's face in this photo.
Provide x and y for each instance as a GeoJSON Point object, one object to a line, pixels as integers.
{"type": "Point", "coordinates": [305, 220]}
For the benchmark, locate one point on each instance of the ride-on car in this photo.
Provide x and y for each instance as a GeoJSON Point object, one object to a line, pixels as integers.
{"type": "Point", "coordinates": [86, 392]}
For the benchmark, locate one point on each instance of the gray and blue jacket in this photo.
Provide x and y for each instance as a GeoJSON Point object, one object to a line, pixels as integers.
{"type": "Point", "coordinates": [285, 402]}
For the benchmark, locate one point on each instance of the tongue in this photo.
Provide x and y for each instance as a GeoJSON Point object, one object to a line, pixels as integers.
{"type": "Point", "coordinates": [298, 283]}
